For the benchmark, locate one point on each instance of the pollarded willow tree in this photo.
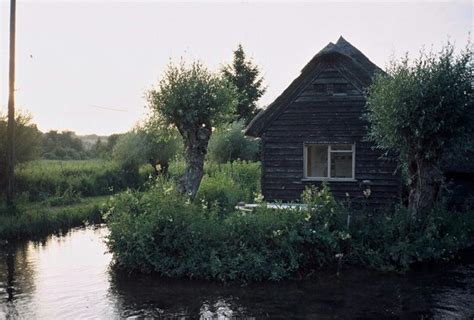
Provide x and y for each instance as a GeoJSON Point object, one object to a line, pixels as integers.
{"type": "Point", "coordinates": [195, 101]}
{"type": "Point", "coordinates": [422, 110]}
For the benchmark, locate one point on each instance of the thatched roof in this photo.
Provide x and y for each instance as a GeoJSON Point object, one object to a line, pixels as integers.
{"type": "Point", "coordinates": [354, 63]}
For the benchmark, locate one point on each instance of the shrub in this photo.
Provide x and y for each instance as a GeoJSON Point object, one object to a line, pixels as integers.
{"type": "Point", "coordinates": [228, 184]}
{"type": "Point", "coordinates": [229, 144]}
{"type": "Point", "coordinates": [163, 232]}
{"type": "Point", "coordinates": [392, 241]}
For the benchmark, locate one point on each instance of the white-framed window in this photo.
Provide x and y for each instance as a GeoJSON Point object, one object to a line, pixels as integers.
{"type": "Point", "coordinates": [329, 161]}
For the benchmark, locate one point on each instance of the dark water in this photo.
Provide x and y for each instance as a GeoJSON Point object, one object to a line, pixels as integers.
{"type": "Point", "coordinates": [68, 277]}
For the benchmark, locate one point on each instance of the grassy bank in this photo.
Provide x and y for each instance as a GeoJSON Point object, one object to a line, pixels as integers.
{"type": "Point", "coordinates": [161, 232]}
{"type": "Point", "coordinates": [38, 219]}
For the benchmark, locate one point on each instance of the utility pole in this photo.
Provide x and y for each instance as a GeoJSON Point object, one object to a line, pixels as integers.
{"type": "Point", "coordinates": [11, 110]}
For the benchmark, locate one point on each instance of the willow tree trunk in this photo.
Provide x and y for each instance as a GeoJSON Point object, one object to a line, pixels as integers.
{"type": "Point", "coordinates": [426, 180]}
{"type": "Point", "coordinates": [195, 150]}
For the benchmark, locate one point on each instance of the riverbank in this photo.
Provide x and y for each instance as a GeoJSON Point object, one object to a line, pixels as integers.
{"type": "Point", "coordinates": [69, 277]}
{"type": "Point", "coordinates": [37, 219]}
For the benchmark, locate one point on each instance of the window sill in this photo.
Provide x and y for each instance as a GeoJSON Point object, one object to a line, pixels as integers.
{"type": "Point", "coordinates": [329, 179]}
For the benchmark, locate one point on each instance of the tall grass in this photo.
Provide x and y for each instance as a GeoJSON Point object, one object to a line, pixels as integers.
{"type": "Point", "coordinates": [225, 184]}
{"type": "Point", "coordinates": [36, 220]}
{"type": "Point", "coordinates": [43, 179]}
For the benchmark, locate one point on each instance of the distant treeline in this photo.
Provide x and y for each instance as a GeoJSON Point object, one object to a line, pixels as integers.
{"type": "Point", "coordinates": [66, 145]}
{"type": "Point", "coordinates": [32, 144]}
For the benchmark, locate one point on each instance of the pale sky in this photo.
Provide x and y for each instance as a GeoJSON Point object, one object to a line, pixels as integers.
{"type": "Point", "coordinates": [75, 57]}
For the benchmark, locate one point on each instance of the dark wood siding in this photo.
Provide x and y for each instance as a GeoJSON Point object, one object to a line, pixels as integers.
{"type": "Point", "coordinates": [327, 111]}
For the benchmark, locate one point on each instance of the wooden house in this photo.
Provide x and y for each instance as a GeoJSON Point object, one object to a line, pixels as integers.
{"type": "Point", "coordinates": [314, 132]}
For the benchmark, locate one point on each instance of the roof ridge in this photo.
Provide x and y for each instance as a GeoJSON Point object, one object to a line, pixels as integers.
{"type": "Point", "coordinates": [346, 48]}
{"type": "Point", "coordinates": [360, 67]}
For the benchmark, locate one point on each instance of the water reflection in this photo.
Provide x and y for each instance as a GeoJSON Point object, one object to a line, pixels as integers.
{"type": "Point", "coordinates": [68, 277]}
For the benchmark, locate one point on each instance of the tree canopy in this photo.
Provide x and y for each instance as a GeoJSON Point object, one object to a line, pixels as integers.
{"type": "Point", "coordinates": [422, 110]}
{"type": "Point", "coordinates": [245, 76]}
{"type": "Point", "coordinates": [28, 141]}
{"type": "Point", "coordinates": [194, 100]}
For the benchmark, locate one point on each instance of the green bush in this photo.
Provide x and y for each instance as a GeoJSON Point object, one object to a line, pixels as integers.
{"type": "Point", "coordinates": [163, 232]}
{"type": "Point", "coordinates": [230, 143]}
{"type": "Point", "coordinates": [393, 241]}
{"type": "Point", "coordinates": [160, 231]}
{"type": "Point", "coordinates": [230, 183]}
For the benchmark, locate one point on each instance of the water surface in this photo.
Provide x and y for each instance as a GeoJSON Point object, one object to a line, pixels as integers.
{"type": "Point", "coordinates": [69, 277]}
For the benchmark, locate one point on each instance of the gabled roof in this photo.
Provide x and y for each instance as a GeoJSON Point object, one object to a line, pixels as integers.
{"type": "Point", "coordinates": [349, 57]}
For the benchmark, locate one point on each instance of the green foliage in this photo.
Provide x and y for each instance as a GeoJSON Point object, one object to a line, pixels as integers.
{"type": "Point", "coordinates": [162, 144]}
{"type": "Point", "coordinates": [66, 197]}
{"type": "Point", "coordinates": [35, 221]}
{"type": "Point", "coordinates": [229, 144]}
{"type": "Point", "coordinates": [43, 179]}
{"type": "Point", "coordinates": [28, 142]}
{"type": "Point", "coordinates": [141, 146]}
{"type": "Point", "coordinates": [422, 111]}
{"type": "Point", "coordinates": [424, 107]}
{"type": "Point", "coordinates": [163, 232]}
{"type": "Point", "coordinates": [245, 76]}
{"type": "Point", "coordinates": [393, 241]}
{"type": "Point", "coordinates": [195, 101]}
{"type": "Point", "coordinates": [129, 151]}
{"type": "Point", "coordinates": [224, 186]}
{"type": "Point", "coordinates": [104, 150]}
{"type": "Point", "coordinates": [191, 98]}
{"type": "Point", "coordinates": [62, 146]}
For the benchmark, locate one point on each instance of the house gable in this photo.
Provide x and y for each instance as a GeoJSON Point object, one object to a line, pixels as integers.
{"type": "Point", "coordinates": [341, 57]}
{"type": "Point", "coordinates": [322, 110]}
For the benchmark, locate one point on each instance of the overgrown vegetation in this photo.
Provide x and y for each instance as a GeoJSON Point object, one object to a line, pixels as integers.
{"type": "Point", "coordinates": [163, 232]}
{"type": "Point", "coordinates": [37, 220]}
{"type": "Point", "coordinates": [28, 145]}
{"type": "Point", "coordinates": [194, 101]}
{"type": "Point", "coordinates": [66, 180]}
{"type": "Point", "coordinates": [422, 111]}
{"type": "Point", "coordinates": [229, 143]}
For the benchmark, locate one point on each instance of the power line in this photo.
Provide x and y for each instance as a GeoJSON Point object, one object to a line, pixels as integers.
{"type": "Point", "coordinates": [108, 108]}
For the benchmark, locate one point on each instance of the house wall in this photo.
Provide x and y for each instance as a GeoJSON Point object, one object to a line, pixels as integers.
{"type": "Point", "coordinates": [326, 118]}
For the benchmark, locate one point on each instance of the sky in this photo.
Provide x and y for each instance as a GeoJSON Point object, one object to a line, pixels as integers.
{"type": "Point", "coordinates": [86, 65]}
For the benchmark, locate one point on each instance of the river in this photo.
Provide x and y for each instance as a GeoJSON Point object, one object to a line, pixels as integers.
{"type": "Point", "coordinates": [69, 277]}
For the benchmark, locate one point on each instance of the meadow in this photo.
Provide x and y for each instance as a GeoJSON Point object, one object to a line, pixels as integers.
{"type": "Point", "coordinates": [54, 195]}
{"type": "Point", "coordinates": [41, 180]}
